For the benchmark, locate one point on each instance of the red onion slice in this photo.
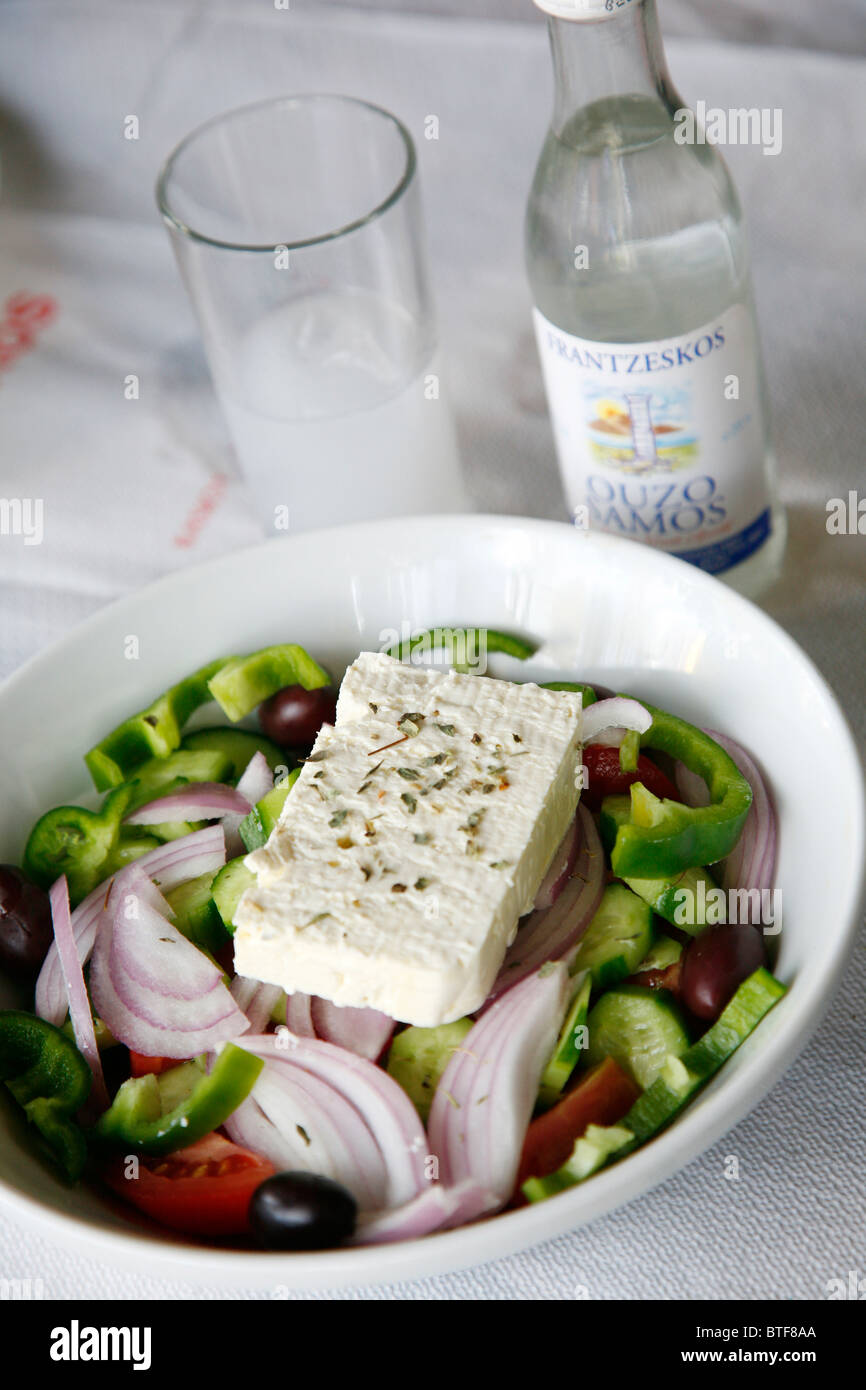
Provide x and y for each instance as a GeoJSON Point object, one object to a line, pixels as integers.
{"type": "Point", "coordinates": [550, 934]}
{"type": "Point", "coordinates": [752, 862]}
{"type": "Point", "coordinates": [155, 990]}
{"type": "Point", "coordinates": [167, 1011]}
{"type": "Point", "coordinates": [143, 1036]}
{"type": "Point", "coordinates": [201, 852]}
{"type": "Point", "coordinates": [76, 990]}
{"type": "Point", "coordinates": [255, 782]}
{"type": "Point", "coordinates": [150, 951]}
{"type": "Point", "coordinates": [300, 1121]}
{"type": "Point", "coordinates": [299, 1015]}
{"type": "Point", "coordinates": [561, 868]}
{"type": "Point", "coordinates": [691, 786]}
{"type": "Point", "coordinates": [381, 1102]}
{"type": "Point", "coordinates": [485, 1098]}
{"type": "Point", "coordinates": [257, 1000]}
{"type": "Point", "coordinates": [134, 883]}
{"type": "Point", "coordinates": [437, 1209]}
{"type": "Point", "coordinates": [250, 1127]}
{"type": "Point", "coordinates": [610, 738]}
{"type": "Point", "coordinates": [198, 801]}
{"type": "Point", "coordinates": [366, 1032]}
{"type": "Point", "coordinates": [52, 998]}
{"type": "Point", "coordinates": [619, 712]}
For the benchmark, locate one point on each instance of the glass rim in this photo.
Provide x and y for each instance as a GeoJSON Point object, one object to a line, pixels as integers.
{"type": "Point", "coordinates": [177, 224]}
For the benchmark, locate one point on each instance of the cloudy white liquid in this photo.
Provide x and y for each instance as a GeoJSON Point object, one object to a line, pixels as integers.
{"type": "Point", "coordinates": [335, 418]}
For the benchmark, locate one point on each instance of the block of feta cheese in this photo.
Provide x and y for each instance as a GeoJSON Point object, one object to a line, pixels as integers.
{"type": "Point", "coordinates": [417, 834]}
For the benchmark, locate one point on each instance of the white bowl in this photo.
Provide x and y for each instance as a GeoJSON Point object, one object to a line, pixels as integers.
{"type": "Point", "coordinates": [604, 609]}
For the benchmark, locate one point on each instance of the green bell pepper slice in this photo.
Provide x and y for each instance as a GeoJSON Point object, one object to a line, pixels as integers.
{"type": "Point", "coordinates": [237, 683]}
{"type": "Point", "coordinates": [135, 1122]}
{"type": "Point", "coordinates": [243, 682]}
{"type": "Point", "coordinates": [153, 733]}
{"type": "Point", "coordinates": [50, 1080]}
{"type": "Point", "coordinates": [577, 687]}
{"type": "Point", "coordinates": [78, 843]}
{"type": "Point", "coordinates": [451, 639]}
{"type": "Point", "coordinates": [661, 837]}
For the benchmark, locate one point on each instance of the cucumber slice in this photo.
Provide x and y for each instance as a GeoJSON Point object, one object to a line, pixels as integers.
{"type": "Point", "coordinates": [195, 913]}
{"type": "Point", "coordinates": [617, 938]}
{"type": "Point", "coordinates": [639, 1028]}
{"type": "Point", "coordinates": [663, 1100]}
{"type": "Point", "coordinates": [569, 1046]}
{"type": "Point", "coordinates": [229, 887]}
{"type": "Point", "coordinates": [255, 829]}
{"type": "Point", "coordinates": [271, 805]}
{"type": "Point", "coordinates": [740, 1016]}
{"type": "Point", "coordinates": [252, 831]}
{"type": "Point", "coordinates": [237, 746]}
{"type": "Point", "coordinates": [591, 1152]}
{"type": "Point", "coordinates": [596, 1146]}
{"type": "Point", "coordinates": [664, 897]}
{"type": "Point", "coordinates": [131, 845]}
{"type": "Point", "coordinates": [681, 1076]}
{"type": "Point", "coordinates": [419, 1056]}
{"type": "Point", "coordinates": [167, 830]}
{"type": "Point", "coordinates": [664, 953]}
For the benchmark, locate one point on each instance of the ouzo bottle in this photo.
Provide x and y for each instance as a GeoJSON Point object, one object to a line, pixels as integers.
{"type": "Point", "coordinates": [644, 318]}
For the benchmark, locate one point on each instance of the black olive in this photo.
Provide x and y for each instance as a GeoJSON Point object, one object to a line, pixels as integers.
{"type": "Point", "coordinates": [715, 963]}
{"type": "Point", "coordinates": [25, 923]}
{"type": "Point", "coordinates": [302, 1211]}
{"type": "Point", "coordinates": [293, 716]}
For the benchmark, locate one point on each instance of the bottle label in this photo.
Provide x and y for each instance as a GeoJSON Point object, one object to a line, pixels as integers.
{"type": "Point", "coordinates": [663, 441]}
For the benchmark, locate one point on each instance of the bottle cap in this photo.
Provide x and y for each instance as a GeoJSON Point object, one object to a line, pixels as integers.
{"type": "Point", "coordinates": [585, 9]}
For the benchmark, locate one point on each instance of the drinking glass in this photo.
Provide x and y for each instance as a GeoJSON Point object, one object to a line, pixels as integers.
{"type": "Point", "coordinates": [296, 224]}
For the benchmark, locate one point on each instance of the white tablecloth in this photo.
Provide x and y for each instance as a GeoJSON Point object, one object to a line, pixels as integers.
{"type": "Point", "coordinates": [133, 488]}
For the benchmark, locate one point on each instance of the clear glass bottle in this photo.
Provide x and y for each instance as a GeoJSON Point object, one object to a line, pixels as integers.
{"type": "Point", "coordinates": [644, 318]}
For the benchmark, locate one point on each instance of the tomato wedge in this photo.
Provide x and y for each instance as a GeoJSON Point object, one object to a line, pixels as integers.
{"type": "Point", "coordinates": [203, 1190]}
{"type": "Point", "coordinates": [601, 1098]}
{"type": "Point", "coordinates": [604, 776]}
{"type": "Point", "coordinates": [140, 1064]}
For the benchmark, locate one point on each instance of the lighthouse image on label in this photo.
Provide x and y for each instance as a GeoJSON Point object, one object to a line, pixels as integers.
{"type": "Point", "coordinates": [641, 431]}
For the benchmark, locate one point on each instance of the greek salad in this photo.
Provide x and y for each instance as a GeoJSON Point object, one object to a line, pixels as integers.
{"type": "Point", "coordinates": [346, 967]}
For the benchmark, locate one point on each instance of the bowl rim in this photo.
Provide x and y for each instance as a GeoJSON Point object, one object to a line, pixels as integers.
{"type": "Point", "coordinates": [695, 1131]}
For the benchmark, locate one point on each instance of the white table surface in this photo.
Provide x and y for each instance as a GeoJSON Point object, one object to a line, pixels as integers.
{"type": "Point", "coordinates": [121, 480]}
